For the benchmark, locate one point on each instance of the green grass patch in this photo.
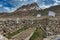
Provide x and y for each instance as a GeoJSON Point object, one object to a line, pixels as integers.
{"type": "Point", "coordinates": [16, 32]}
{"type": "Point", "coordinates": [38, 34]}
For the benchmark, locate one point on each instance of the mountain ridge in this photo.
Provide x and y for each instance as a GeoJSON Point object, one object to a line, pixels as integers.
{"type": "Point", "coordinates": [32, 10]}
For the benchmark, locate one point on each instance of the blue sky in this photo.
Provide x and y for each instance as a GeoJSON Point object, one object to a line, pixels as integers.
{"type": "Point", "coordinates": [11, 5]}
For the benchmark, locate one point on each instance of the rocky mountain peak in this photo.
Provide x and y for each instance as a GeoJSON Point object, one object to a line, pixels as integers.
{"type": "Point", "coordinates": [28, 7]}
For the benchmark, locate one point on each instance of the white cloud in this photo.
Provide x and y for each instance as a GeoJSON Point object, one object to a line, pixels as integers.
{"type": "Point", "coordinates": [1, 5]}
{"type": "Point", "coordinates": [56, 0]}
{"type": "Point", "coordinates": [55, 3]}
{"type": "Point", "coordinates": [24, 0]}
{"type": "Point", "coordinates": [35, 1]}
{"type": "Point", "coordinates": [13, 9]}
{"type": "Point", "coordinates": [44, 6]}
{"type": "Point", "coordinates": [7, 8]}
{"type": "Point", "coordinates": [21, 0]}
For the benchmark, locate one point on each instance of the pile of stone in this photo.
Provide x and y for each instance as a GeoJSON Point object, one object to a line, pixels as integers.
{"type": "Point", "coordinates": [53, 27]}
{"type": "Point", "coordinates": [8, 26]}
